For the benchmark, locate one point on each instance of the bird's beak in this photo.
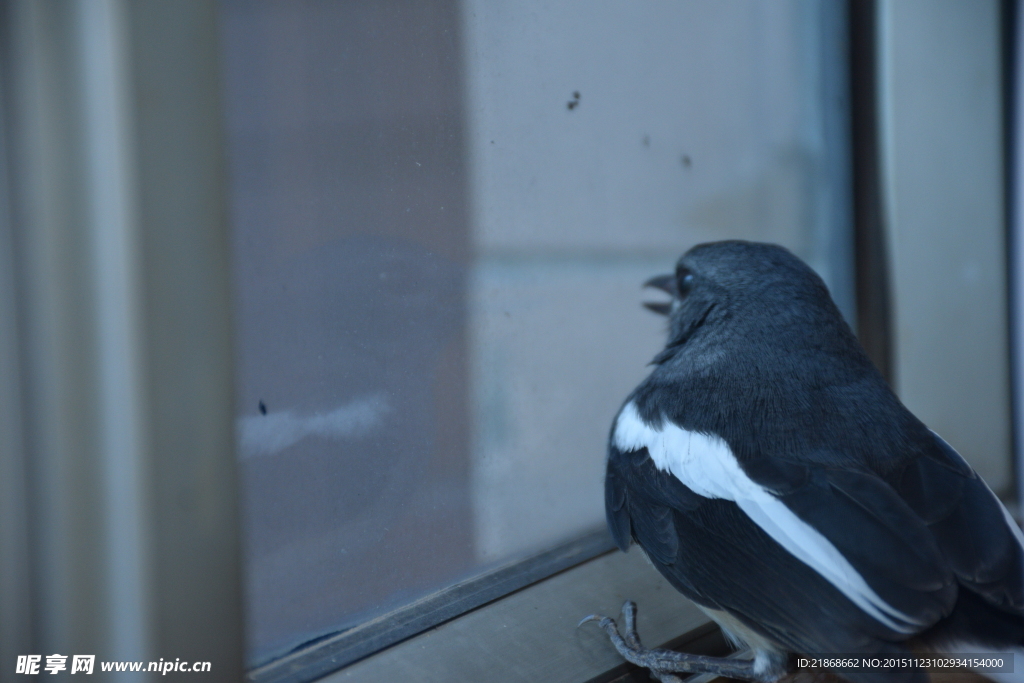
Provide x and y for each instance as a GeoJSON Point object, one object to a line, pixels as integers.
{"type": "Point", "coordinates": [666, 283]}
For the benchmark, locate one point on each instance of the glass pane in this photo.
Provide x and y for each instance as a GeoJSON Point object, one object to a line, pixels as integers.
{"type": "Point", "coordinates": [442, 216]}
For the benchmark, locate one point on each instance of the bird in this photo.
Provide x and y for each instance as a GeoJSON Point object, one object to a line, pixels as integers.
{"type": "Point", "coordinates": [772, 476]}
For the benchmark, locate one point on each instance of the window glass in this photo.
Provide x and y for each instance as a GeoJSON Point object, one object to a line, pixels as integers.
{"type": "Point", "coordinates": [442, 214]}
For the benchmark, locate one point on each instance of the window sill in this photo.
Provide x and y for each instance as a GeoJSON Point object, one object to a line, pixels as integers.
{"type": "Point", "coordinates": [531, 634]}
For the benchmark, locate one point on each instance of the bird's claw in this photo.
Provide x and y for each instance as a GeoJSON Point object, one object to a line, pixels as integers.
{"type": "Point", "coordinates": [592, 617]}
{"type": "Point", "coordinates": [609, 625]}
{"type": "Point", "coordinates": [664, 664]}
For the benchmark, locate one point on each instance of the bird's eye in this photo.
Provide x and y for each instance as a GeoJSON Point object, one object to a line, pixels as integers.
{"type": "Point", "coordinates": [684, 281]}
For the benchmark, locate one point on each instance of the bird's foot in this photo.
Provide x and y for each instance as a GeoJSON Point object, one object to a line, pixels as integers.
{"type": "Point", "coordinates": [664, 664]}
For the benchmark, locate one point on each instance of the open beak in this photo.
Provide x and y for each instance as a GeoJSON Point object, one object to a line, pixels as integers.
{"type": "Point", "coordinates": [666, 283]}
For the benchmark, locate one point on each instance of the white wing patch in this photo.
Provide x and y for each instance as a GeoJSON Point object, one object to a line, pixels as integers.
{"type": "Point", "coordinates": [707, 466]}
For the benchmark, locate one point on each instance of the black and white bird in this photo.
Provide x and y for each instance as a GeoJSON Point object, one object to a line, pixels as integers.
{"type": "Point", "coordinates": [771, 475]}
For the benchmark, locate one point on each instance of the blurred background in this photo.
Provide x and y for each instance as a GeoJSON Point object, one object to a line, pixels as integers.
{"type": "Point", "coordinates": [310, 311]}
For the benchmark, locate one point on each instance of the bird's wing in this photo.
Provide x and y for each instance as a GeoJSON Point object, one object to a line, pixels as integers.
{"type": "Point", "coordinates": [852, 536]}
{"type": "Point", "coordinates": [716, 555]}
{"type": "Point", "coordinates": [632, 482]}
{"type": "Point", "coordinates": [975, 533]}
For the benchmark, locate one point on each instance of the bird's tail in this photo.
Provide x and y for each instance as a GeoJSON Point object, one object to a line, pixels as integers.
{"type": "Point", "coordinates": [977, 627]}
{"type": "Point", "coordinates": [975, 620]}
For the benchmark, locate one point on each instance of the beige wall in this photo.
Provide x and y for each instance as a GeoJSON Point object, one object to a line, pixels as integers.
{"type": "Point", "coordinates": [942, 150]}
{"type": "Point", "coordinates": [572, 209]}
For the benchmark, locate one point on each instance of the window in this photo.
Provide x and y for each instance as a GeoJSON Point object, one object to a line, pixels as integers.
{"type": "Point", "coordinates": [378, 266]}
{"type": "Point", "coordinates": [441, 219]}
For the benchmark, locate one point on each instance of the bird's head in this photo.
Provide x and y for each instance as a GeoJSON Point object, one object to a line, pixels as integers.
{"type": "Point", "coordinates": [743, 288]}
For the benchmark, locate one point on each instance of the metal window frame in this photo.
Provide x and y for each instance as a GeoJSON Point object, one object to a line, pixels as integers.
{"type": "Point", "coordinates": [874, 315]}
{"type": "Point", "coordinates": [333, 651]}
{"type": "Point", "coordinates": [1013, 122]}
{"type": "Point", "coordinates": [532, 634]}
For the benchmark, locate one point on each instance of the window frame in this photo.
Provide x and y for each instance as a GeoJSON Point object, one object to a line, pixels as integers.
{"type": "Point", "coordinates": [532, 634]}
